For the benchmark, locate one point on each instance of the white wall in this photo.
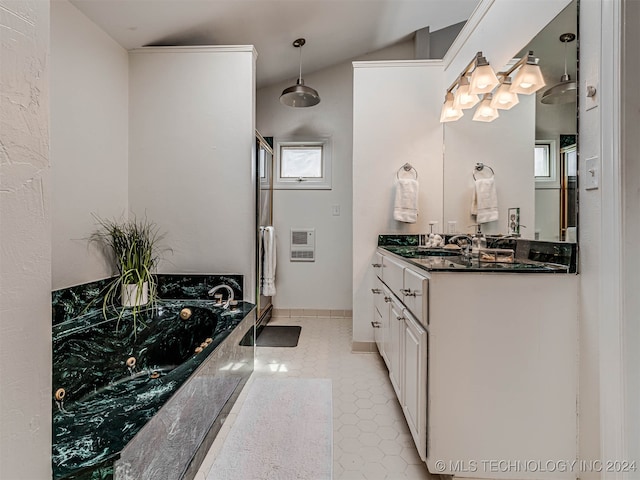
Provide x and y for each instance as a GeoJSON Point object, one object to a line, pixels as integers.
{"type": "Point", "coordinates": [631, 147]}
{"type": "Point", "coordinates": [191, 143]}
{"type": "Point", "coordinates": [325, 283]}
{"type": "Point", "coordinates": [400, 125]}
{"type": "Point", "coordinates": [89, 141]}
{"type": "Point", "coordinates": [499, 28]}
{"type": "Point", "coordinates": [506, 145]}
{"type": "Point", "coordinates": [589, 236]}
{"type": "Point", "coordinates": [25, 239]}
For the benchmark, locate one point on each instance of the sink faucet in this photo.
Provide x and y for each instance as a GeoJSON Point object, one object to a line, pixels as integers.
{"type": "Point", "coordinates": [467, 243]}
{"type": "Point", "coordinates": [463, 236]}
{"type": "Point", "coordinates": [218, 287]}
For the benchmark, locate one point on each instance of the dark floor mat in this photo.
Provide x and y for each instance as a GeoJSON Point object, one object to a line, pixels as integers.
{"type": "Point", "coordinates": [279, 336]}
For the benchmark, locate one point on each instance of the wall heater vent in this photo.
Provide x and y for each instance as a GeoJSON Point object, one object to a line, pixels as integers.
{"type": "Point", "coordinates": [303, 245]}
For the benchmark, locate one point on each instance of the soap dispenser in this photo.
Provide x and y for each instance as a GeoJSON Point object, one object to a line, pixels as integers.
{"type": "Point", "coordinates": [478, 241]}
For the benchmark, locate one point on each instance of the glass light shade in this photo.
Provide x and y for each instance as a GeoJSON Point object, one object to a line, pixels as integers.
{"type": "Point", "coordinates": [483, 79]}
{"type": "Point", "coordinates": [504, 98]}
{"type": "Point", "coordinates": [464, 98]}
{"type": "Point", "coordinates": [450, 113]}
{"type": "Point", "coordinates": [485, 112]}
{"type": "Point", "coordinates": [528, 79]}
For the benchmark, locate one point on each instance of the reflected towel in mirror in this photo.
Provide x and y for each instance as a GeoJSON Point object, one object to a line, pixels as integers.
{"type": "Point", "coordinates": [484, 203]}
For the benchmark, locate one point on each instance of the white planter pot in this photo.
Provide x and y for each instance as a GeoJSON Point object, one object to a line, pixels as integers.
{"type": "Point", "coordinates": [132, 298]}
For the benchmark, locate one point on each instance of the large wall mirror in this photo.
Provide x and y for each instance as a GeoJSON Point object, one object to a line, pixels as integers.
{"type": "Point", "coordinates": [532, 148]}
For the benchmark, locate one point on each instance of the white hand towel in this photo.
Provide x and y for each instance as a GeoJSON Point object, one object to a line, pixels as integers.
{"type": "Point", "coordinates": [268, 284]}
{"type": "Point", "coordinates": [484, 203]}
{"type": "Point", "coordinates": [406, 204]}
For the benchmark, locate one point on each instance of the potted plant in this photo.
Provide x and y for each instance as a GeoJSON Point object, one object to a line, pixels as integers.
{"type": "Point", "coordinates": [133, 247]}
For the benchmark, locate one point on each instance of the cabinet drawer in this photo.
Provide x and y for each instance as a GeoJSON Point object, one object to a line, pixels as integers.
{"type": "Point", "coordinates": [393, 276]}
{"type": "Point", "coordinates": [376, 264]}
{"type": "Point", "coordinates": [416, 294]}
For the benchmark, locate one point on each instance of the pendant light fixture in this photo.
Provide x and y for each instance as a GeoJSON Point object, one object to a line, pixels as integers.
{"type": "Point", "coordinates": [566, 90]}
{"type": "Point", "coordinates": [299, 95]}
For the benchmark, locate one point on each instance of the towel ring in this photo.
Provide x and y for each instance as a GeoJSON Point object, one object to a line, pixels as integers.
{"type": "Point", "coordinates": [407, 167]}
{"type": "Point", "coordinates": [480, 166]}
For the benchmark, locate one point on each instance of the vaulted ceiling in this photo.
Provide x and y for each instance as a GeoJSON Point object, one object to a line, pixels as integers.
{"type": "Point", "coordinates": [335, 30]}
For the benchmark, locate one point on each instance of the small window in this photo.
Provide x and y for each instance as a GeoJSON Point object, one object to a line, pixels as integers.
{"type": "Point", "coordinates": [542, 159]}
{"type": "Point", "coordinates": [302, 164]}
{"type": "Point", "coordinates": [545, 168]}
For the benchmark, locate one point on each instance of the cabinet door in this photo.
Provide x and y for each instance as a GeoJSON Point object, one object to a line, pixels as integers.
{"type": "Point", "coordinates": [416, 294]}
{"type": "Point", "coordinates": [380, 322]}
{"type": "Point", "coordinates": [414, 381]}
{"type": "Point", "coordinates": [395, 352]}
{"type": "Point", "coordinates": [393, 275]}
{"type": "Point", "coordinates": [376, 264]}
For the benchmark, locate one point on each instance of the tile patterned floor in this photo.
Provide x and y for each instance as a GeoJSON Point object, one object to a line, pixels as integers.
{"type": "Point", "coordinates": [371, 439]}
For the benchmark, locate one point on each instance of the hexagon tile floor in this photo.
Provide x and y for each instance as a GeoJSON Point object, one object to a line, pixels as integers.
{"type": "Point", "coordinates": [371, 439]}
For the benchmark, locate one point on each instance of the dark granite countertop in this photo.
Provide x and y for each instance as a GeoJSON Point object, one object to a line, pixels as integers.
{"type": "Point", "coordinates": [443, 260]}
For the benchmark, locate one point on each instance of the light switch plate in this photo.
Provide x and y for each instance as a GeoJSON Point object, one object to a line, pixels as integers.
{"type": "Point", "coordinates": [592, 166]}
{"type": "Point", "coordinates": [590, 93]}
{"type": "Point", "coordinates": [335, 210]}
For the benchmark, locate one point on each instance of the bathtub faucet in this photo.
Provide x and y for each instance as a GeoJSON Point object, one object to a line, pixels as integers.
{"type": "Point", "coordinates": [218, 287]}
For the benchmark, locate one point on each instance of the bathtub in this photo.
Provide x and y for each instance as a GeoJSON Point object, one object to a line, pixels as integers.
{"type": "Point", "coordinates": [145, 403]}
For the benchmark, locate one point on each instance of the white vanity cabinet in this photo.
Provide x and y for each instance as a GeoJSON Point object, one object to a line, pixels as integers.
{"type": "Point", "coordinates": [484, 366]}
{"type": "Point", "coordinates": [503, 374]}
{"type": "Point", "coordinates": [393, 275]}
{"type": "Point", "coordinates": [400, 331]}
{"type": "Point", "coordinates": [415, 294]}
{"type": "Point", "coordinates": [380, 322]}
{"type": "Point", "coordinates": [414, 371]}
{"type": "Point", "coordinates": [395, 352]}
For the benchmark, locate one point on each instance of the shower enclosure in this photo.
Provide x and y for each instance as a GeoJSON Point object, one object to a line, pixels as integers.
{"type": "Point", "coordinates": [264, 209]}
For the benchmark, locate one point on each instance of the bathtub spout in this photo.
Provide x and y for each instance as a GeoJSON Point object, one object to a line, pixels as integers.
{"type": "Point", "coordinates": [218, 287]}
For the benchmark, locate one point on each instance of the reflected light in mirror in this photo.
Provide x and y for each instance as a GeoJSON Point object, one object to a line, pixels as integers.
{"type": "Point", "coordinates": [504, 98]}
{"type": "Point", "coordinates": [450, 113]}
{"type": "Point", "coordinates": [464, 98]}
{"type": "Point", "coordinates": [485, 112]}
{"type": "Point", "coordinates": [529, 78]}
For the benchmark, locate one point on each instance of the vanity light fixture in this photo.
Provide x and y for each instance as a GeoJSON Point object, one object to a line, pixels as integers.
{"type": "Point", "coordinates": [485, 112]}
{"type": "Point", "coordinates": [463, 97]}
{"type": "Point", "coordinates": [483, 78]}
{"type": "Point", "coordinates": [299, 95]}
{"type": "Point", "coordinates": [504, 98]}
{"type": "Point", "coordinates": [529, 78]}
{"type": "Point", "coordinates": [479, 78]}
{"type": "Point", "coordinates": [450, 113]}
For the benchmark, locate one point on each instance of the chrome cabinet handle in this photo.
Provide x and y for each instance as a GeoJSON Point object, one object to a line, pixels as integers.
{"type": "Point", "coordinates": [376, 265]}
{"type": "Point", "coordinates": [408, 293]}
{"type": "Point", "coordinates": [387, 299]}
{"type": "Point", "coordinates": [375, 324]}
{"type": "Point", "coordinates": [376, 291]}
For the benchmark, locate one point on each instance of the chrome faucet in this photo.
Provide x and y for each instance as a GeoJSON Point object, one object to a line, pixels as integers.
{"type": "Point", "coordinates": [229, 289]}
{"type": "Point", "coordinates": [464, 236]}
{"type": "Point", "coordinates": [466, 244]}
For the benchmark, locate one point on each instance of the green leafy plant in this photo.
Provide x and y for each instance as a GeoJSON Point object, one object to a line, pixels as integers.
{"type": "Point", "coordinates": [133, 247]}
